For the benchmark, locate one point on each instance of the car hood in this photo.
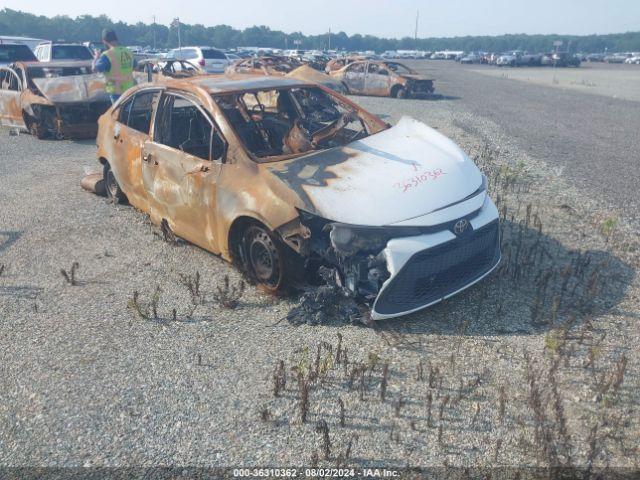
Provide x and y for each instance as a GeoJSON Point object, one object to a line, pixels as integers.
{"type": "Point", "coordinates": [401, 173]}
{"type": "Point", "coordinates": [310, 74]}
{"type": "Point", "coordinates": [72, 89]}
{"type": "Point", "coordinates": [411, 76]}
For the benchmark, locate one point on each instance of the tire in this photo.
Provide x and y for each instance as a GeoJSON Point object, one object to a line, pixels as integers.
{"type": "Point", "coordinates": [264, 257]}
{"type": "Point", "coordinates": [34, 128]}
{"type": "Point", "coordinates": [114, 192]}
{"type": "Point", "coordinates": [400, 92]}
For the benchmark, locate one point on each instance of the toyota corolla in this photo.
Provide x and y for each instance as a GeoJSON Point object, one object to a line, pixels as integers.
{"type": "Point", "coordinates": [281, 176]}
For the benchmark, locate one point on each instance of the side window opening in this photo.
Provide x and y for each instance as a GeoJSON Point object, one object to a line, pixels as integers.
{"type": "Point", "coordinates": [123, 114]}
{"type": "Point", "coordinates": [183, 126]}
{"type": "Point", "coordinates": [9, 81]}
{"type": "Point", "coordinates": [140, 111]}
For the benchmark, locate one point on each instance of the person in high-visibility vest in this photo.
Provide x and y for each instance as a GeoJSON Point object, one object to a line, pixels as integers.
{"type": "Point", "coordinates": [117, 65]}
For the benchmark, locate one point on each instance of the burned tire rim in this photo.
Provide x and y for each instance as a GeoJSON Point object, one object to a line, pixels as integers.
{"type": "Point", "coordinates": [114, 192]}
{"type": "Point", "coordinates": [263, 257]}
{"type": "Point", "coordinates": [111, 184]}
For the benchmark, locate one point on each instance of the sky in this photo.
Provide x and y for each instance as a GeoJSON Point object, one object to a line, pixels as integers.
{"type": "Point", "coordinates": [383, 18]}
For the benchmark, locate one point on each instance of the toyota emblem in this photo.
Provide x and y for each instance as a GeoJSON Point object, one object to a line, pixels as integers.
{"type": "Point", "coordinates": [460, 226]}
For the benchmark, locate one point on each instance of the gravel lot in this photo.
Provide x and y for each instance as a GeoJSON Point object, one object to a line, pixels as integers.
{"type": "Point", "coordinates": [536, 365]}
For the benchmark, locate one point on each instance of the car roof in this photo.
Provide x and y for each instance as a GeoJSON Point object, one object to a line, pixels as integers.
{"type": "Point", "coordinates": [233, 83]}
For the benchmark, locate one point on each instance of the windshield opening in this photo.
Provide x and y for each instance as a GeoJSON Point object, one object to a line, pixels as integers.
{"type": "Point", "coordinates": [277, 123]}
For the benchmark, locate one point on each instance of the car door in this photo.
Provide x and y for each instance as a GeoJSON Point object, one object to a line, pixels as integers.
{"type": "Point", "coordinates": [10, 99]}
{"type": "Point", "coordinates": [180, 169]}
{"type": "Point", "coordinates": [130, 132]}
{"type": "Point", "coordinates": [354, 77]}
{"type": "Point", "coordinates": [377, 80]}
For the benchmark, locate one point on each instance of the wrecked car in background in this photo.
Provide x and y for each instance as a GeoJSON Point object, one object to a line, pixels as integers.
{"type": "Point", "coordinates": [340, 62]}
{"type": "Point", "coordinates": [289, 67]}
{"type": "Point", "coordinates": [162, 69]}
{"type": "Point", "coordinates": [383, 79]}
{"type": "Point", "coordinates": [52, 99]}
{"type": "Point", "coordinates": [283, 177]}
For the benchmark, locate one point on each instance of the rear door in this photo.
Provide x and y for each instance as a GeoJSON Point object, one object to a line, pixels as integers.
{"type": "Point", "coordinates": [131, 131]}
{"type": "Point", "coordinates": [378, 80]}
{"type": "Point", "coordinates": [180, 169]}
{"type": "Point", "coordinates": [10, 99]}
{"type": "Point", "coordinates": [354, 77]}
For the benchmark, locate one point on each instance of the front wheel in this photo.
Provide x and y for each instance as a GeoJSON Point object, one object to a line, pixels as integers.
{"type": "Point", "coordinates": [264, 257]}
{"type": "Point", "coordinates": [114, 192]}
{"type": "Point", "coordinates": [400, 93]}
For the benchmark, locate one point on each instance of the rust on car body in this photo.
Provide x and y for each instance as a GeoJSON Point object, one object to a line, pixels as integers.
{"type": "Point", "coordinates": [283, 177]}
{"type": "Point", "coordinates": [59, 99]}
{"type": "Point", "coordinates": [383, 79]}
{"type": "Point", "coordinates": [206, 197]}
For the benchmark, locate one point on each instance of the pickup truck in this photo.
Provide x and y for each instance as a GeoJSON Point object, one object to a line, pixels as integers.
{"type": "Point", "coordinates": [518, 59]}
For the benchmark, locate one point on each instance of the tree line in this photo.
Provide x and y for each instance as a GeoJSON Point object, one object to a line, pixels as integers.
{"type": "Point", "coordinates": [88, 28]}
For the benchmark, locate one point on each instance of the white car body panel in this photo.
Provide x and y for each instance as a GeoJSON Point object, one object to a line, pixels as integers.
{"type": "Point", "coordinates": [400, 250]}
{"type": "Point", "coordinates": [409, 171]}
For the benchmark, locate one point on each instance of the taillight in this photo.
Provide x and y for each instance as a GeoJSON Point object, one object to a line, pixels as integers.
{"type": "Point", "coordinates": [201, 62]}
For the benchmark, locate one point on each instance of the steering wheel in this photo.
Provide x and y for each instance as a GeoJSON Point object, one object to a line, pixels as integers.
{"type": "Point", "coordinates": [324, 133]}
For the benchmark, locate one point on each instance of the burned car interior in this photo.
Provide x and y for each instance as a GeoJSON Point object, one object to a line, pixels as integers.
{"type": "Point", "coordinates": [180, 124]}
{"type": "Point", "coordinates": [272, 123]}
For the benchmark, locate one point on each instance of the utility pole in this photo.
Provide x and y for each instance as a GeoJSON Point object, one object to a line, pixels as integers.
{"type": "Point", "coordinates": [415, 36]}
{"type": "Point", "coordinates": [154, 32]}
{"type": "Point", "coordinates": [176, 23]}
{"type": "Point", "coordinates": [329, 41]}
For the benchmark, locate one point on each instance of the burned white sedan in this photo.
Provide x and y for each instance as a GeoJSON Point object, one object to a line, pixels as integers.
{"type": "Point", "coordinates": [282, 177]}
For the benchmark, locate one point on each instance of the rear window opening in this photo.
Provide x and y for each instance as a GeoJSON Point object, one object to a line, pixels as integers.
{"type": "Point", "coordinates": [70, 52]}
{"type": "Point", "coordinates": [16, 53]}
{"type": "Point", "coordinates": [212, 54]}
{"type": "Point", "coordinates": [283, 123]}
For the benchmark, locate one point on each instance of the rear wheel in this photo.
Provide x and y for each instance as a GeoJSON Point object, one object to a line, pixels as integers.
{"type": "Point", "coordinates": [114, 192]}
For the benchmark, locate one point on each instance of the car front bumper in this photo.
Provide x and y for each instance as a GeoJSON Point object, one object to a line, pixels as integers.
{"type": "Point", "coordinates": [428, 268]}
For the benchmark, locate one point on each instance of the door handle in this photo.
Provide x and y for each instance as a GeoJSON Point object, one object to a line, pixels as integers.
{"type": "Point", "coordinates": [146, 157]}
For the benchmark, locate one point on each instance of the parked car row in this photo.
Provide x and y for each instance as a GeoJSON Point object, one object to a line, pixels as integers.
{"type": "Point", "coordinates": [518, 58]}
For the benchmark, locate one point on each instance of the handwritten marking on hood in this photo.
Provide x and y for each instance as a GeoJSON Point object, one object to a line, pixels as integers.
{"type": "Point", "coordinates": [419, 179]}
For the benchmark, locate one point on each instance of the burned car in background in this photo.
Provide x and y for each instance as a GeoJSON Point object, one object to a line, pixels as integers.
{"type": "Point", "coordinates": [383, 79]}
{"type": "Point", "coordinates": [162, 69]}
{"type": "Point", "coordinates": [52, 99]}
{"type": "Point", "coordinates": [282, 177]}
{"type": "Point", "coordinates": [289, 67]}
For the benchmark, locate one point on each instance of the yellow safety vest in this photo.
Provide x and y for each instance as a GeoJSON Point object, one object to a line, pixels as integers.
{"type": "Point", "coordinates": [120, 77]}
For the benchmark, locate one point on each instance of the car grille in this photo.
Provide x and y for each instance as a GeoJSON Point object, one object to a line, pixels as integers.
{"type": "Point", "coordinates": [432, 274]}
